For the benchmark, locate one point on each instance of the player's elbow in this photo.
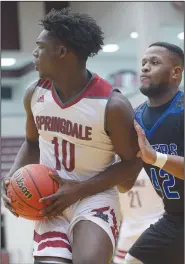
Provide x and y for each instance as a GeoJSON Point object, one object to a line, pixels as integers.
{"type": "Point", "coordinates": [123, 188]}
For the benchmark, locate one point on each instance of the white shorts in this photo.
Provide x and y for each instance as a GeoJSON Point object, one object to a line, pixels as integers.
{"type": "Point", "coordinates": [124, 243]}
{"type": "Point", "coordinates": [122, 248]}
{"type": "Point", "coordinates": [54, 237]}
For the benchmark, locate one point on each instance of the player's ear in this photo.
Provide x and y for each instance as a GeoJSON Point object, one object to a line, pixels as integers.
{"type": "Point", "coordinates": [177, 72]}
{"type": "Point", "coordinates": [63, 51]}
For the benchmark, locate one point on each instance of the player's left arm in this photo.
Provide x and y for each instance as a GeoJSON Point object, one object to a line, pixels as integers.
{"type": "Point", "coordinates": [119, 126]}
{"type": "Point", "coordinates": [175, 166]}
{"type": "Point", "coordinates": [170, 163]}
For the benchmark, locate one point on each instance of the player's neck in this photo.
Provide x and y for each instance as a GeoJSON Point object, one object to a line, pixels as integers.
{"type": "Point", "coordinates": [69, 85]}
{"type": "Point", "coordinates": [161, 99]}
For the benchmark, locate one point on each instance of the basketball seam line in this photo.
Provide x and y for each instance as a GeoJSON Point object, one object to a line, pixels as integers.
{"type": "Point", "coordinates": [33, 182]}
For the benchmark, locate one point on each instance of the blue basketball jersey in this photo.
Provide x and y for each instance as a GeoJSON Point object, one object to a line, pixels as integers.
{"type": "Point", "coordinates": [166, 135]}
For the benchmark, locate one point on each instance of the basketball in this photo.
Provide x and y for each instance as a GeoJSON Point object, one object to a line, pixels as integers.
{"type": "Point", "coordinates": [27, 186]}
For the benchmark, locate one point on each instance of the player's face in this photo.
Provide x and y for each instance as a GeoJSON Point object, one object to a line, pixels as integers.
{"type": "Point", "coordinates": [47, 55]}
{"type": "Point", "coordinates": [156, 71]}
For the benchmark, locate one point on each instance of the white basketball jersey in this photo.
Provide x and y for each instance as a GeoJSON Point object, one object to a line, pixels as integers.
{"type": "Point", "coordinates": [72, 138]}
{"type": "Point", "coordinates": [140, 206]}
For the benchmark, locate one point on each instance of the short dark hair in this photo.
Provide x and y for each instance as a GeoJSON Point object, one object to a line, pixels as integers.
{"type": "Point", "coordinates": [173, 49]}
{"type": "Point", "coordinates": [78, 31]}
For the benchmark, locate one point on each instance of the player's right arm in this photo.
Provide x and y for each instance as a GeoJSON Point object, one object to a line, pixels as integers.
{"type": "Point", "coordinates": [173, 164]}
{"type": "Point", "coordinates": [29, 152]}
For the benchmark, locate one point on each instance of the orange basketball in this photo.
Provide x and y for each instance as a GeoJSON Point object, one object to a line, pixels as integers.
{"type": "Point", "coordinates": [27, 186]}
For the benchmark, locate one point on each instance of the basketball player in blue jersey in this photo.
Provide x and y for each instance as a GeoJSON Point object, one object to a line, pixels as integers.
{"type": "Point", "coordinates": [75, 125]}
{"type": "Point", "coordinates": [160, 128]}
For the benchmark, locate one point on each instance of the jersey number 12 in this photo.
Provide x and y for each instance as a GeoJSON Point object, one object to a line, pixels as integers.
{"type": "Point", "coordinates": [68, 150]}
{"type": "Point", "coordinates": [167, 184]}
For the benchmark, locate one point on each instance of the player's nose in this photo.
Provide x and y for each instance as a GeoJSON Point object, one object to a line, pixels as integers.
{"type": "Point", "coordinates": [35, 53]}
{"type": "Point", "coordinates": [145, 68]}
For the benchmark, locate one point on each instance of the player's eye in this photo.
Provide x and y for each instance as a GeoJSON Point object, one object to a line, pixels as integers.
{"type": "Point", "coordinates": [154, 62]}
{"type": "Point", "coordinates": [39, 46]}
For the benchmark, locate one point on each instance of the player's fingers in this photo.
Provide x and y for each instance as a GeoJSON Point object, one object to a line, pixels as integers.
{"type": "Point", "coordinates": [14, 212]}
{"type": "Point", "coordinates": [139, 129]}
{"type": "Point", "coordinates": [138, 154]}
{"type": "Point", "coordinates": [6, 199]}
{"type": "Point", "coordinates": [49, 198]}
{"type": "Point", "coordinates": [136, 125]}
{"type": "Point", "coordinates": [55, 177]}
{"type": "Point", "coordinates": [8, 206]}
{"type": "Point", "coordinates": [6, 182]}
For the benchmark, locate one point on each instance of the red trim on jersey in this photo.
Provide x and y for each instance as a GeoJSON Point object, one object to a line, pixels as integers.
{"type": "Point", "coordinates": [101, 89]}
{"type": "Point", "coordinates": [45, 84]}
{"type": "Point", "coordinates": [114, 228]}
{"type": "Point", "coordinates": [47, 235]}
{"type": "Point", "coordinates": [103, 209]}
{"type": "Point", "coordinates": [121, 257]}
{"type": "Point", "coordinates": [98, 87]}
{"type": "Point", "coordinates": [54, 244]}
{"type": "Point", "coordinates": [122, 251]}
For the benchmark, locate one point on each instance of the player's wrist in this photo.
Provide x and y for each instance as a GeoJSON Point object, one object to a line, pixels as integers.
{"type": "Point", "coordinates": [161, 160]}
{"type": "Point", "coordinates": [80, 190]}
{"type": "Point", "coordinates": [83, 190]}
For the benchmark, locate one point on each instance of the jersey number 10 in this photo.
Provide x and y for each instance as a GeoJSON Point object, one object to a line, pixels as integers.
{"type": "Point", "coordinates": [67, 148]}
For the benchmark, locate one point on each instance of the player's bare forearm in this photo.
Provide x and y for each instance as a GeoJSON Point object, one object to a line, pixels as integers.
{"type": "Point", "coordinates": [28, 154]}
{"type": "Point", "coordinates": [117, 174]}
{"type": "Point", "coordinates": [175, 166]}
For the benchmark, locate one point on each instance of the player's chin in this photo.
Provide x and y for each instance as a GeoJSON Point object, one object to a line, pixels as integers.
{"type": "Point", "coordinates": [144, 89]}
{"type": "Point", "coordinates": [145, 85]}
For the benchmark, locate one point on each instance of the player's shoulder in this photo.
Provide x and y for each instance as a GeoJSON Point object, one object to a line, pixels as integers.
{"type": "Point", "coordinates": [118, 100]}
{"type": "Point", "coordinates": [139, 108]}
{"type": "Point", "coordinates": [138, 111]}
{"type": "Point", "coordinates": [32, 85]}
{"type": "Point", "coordinates": [30, 89]}
{"type": "Point", "coordinates": [179, 102]}
{"type": "Point", "coordinates": [29, 93]}
{"type": "Point", "coordinates": [118, 107]}
{"type": "Point", "coordinates": [99, 88]}
{"type": "Point", "coordinates": [45, 84]}
{"type": "Point", "coordinates": [38, 83]}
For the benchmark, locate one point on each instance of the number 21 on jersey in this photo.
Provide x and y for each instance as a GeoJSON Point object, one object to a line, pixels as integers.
{"type": "Point", "coordinates": [67, 152]}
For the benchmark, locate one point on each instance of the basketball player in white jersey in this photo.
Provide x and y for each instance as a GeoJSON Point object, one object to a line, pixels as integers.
{"type": "Point", "coordinates": [140, 207]}
{"type": "Point", "coordinates": [75, 125]}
